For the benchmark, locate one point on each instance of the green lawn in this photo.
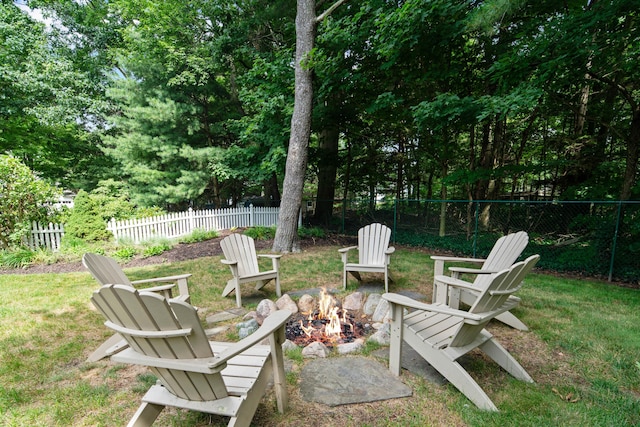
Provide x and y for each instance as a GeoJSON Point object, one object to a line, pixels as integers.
{"type": "Point", "coordinates": [583, 351]}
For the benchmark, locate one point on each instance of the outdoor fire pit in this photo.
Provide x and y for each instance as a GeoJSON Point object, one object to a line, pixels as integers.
{"type": "Point", "coordinates": [329, 324]}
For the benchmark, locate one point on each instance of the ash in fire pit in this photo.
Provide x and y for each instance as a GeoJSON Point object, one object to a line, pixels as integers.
{"type": "Point", "coordinates": [328, 324]}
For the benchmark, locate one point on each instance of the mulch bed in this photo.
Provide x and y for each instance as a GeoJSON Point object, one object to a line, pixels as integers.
{"type": "Point", "coordinates": [182, 252]}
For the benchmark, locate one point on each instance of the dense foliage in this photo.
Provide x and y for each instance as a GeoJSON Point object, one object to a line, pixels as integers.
{"type": "Point", "coordinates": [24, 198]}
{"type": "Point", "coordinates": [480, 100]}
{"type": "Point", "coordinates": [190, 104]}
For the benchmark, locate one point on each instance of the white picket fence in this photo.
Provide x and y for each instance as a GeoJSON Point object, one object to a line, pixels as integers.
{"type": "Point", "coordinates": [171, 226]}
{"type": "Point", "coordinates": [48, 236]}
{"type": "Point", "coordinates": [180, 224]}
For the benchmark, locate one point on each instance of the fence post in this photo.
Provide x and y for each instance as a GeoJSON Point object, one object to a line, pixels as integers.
{"type": "Point", "coordinates": [395, 218]}
{"type": "Point", "coordinates": [113, 227]}
{"type": "Point", "coordinates": [192, 221]}
{"type": "Point", "coordinates": [475, 231]}
{"type": "Point", "coordinates": [615, 240]}
{"type": "Point", "coordinates": [251, 218]}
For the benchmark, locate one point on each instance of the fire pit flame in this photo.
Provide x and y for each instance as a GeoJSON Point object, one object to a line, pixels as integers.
{"type": "Point", "coordinates": [329, 324]}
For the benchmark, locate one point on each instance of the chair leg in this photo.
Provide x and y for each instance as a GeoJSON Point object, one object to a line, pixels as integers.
{"type": "Point", "coordinates": [451, 370]}
{"type": "Point", "coordinates": [503, 358]}
{"type": "Point", "coordinates": [278, 291]}
{"type": "Point", "coordinates": [261, 283]}
{"type": "Point", "coordinates": [145, 415]}
{"type": "Point", "coordinates": [386, 280]}
{"type": "Point", "coordinates": [231, 286]}
{"type": "Point", "coordinates": [238, 295]}
{"type": "Point", "coordinates": [111, 346]}
{"type": "Point", "coordinates": [395, 343]}
{"type": "Point", "coordinates": [509, 319]}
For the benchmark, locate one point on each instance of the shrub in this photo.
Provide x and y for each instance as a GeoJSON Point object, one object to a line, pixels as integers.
{"type": "Point", "coordinates": [125, 253]}
{"type": "Point", "coordinates": [16, 258]}
{"type": "Point", "coordinates": [199, 235]}
{"type": "Point", "coordinates": [313, 232]}
{"type": "Point", "coordinates": [85, 222]}
{"type": "Point", "coordinates": [261, 233]}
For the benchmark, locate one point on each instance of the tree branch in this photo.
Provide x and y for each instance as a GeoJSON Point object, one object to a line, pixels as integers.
{"type": "Point", "coordinates": [623, 90]}
{"type": "Point", "coordinates": [329, 11]}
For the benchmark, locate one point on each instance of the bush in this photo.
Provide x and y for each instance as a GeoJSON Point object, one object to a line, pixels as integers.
{"type": "Point", "coordinates": [261, 233]}
{"type": "Point", "coordinates": [17, 258]}
{"type": "Point", "coordinates": [313, 232]}
{"type": "Point", "coordinates": [156, 247]}
{"type": "Point", "coordinates": [199, 235]}
{"type": "Point", "coordinates": [85, 221]}
{"type": "Point", "coordinates": [125, 254]}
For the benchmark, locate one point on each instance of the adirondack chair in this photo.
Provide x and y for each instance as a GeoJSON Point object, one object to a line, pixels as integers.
{"type": "Point", "coordinates": [374, 253]}
{"type": "Point", "coordinates": [504, 253]}
{"type": "Point", "coordinates": [441, 334]}
{"type": "Point", "coordinates": [240, 253]}
{"type": "Point", "coordinates": [223, 378]}
{"type": "Point", "coordinates": [107, 271]}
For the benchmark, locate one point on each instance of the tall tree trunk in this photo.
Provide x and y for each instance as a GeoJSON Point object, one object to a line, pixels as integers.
{"type": "Point", "coordinates": [327, 171]}
{"type": "Point", "coordinates": [443, 205]}
{"type": "Point", "coordinates": [271, 191]}
{"type": "Point", "coordinates": [286, 239]}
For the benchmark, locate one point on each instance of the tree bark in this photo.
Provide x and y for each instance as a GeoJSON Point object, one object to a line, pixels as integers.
{"type": "Point", "coordinates": [327, 171]}
{"type": "Point", "coordinates": [286, 238]}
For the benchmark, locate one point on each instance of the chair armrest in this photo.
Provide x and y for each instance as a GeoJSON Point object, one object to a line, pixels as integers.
{"type": "Point", "coordinates": [456, 259]}
{"type": "Point", "coordinates": [344, 250]}
{"type": "Point", "coordinates": [272, 256]}
{"type": "Point", "coordinates": [270, 325]}
{"type": "Point", "coordinates": [438, 265]}
{"type": "Point", "coordinates": [436, 308]}
{"type": "Point", "coordinates": [275, 259]}
{"type": "Point", "coordinates": [162, 279]}
{"type": "Point", "coordinates": [465, 270]}
{"type": "Point", "coordinates": [390, 250]}
{"type": "Point", "coordinates": [161, 288]}
{"type": "Point", "coordinates": [457, 283]}
{"type": "Point", "coordinates": [228, 262]}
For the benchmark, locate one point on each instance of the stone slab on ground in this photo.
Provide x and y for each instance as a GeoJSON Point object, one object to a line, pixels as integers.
{"type": "Point", "coordinates": [348, 380]}
{"type": "Point", "coordinates": [414, 363]}
{"type": "Point", "coordinates": [228, 314]}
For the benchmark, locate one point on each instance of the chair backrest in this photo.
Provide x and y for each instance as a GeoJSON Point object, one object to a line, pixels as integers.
{"type": "Point", "coordinates": [373, 241]}
{"type": "Point", "coordinates": [162, 330]}
{"type": "Point", "coordinates": [500, 287]}
{"type": "Point", "coordinates": [506, 251]}
{"type": "Point", "coordinates": [242, 249]}
{"type": "Point", "coordinates": [104, 269]}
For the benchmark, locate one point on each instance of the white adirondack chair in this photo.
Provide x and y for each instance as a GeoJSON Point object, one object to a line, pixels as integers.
{"type": "Point", "coordinates": [240, 253]}
{"type": "Point", "coordinates": [107, 271]}
{"type": "Point", "coordinates": [223, 378]}
{"type": "Point", "coordinates": [504, 253]}
{"type": "Point", "coordinates": [441, 334]}
{"type": "Point", "coordinates": [374, 253]}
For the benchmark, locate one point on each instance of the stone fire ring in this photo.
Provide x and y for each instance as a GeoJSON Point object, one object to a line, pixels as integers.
{"type": "Point", "coordinates": [347, 380]}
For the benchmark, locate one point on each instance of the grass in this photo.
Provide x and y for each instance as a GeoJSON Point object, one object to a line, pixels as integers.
{"type": "Point", "coordinates": [583, 352]}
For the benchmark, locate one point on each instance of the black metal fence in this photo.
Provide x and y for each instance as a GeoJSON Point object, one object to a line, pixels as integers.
{"type": "Point", "coordinates": [593, 238]}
